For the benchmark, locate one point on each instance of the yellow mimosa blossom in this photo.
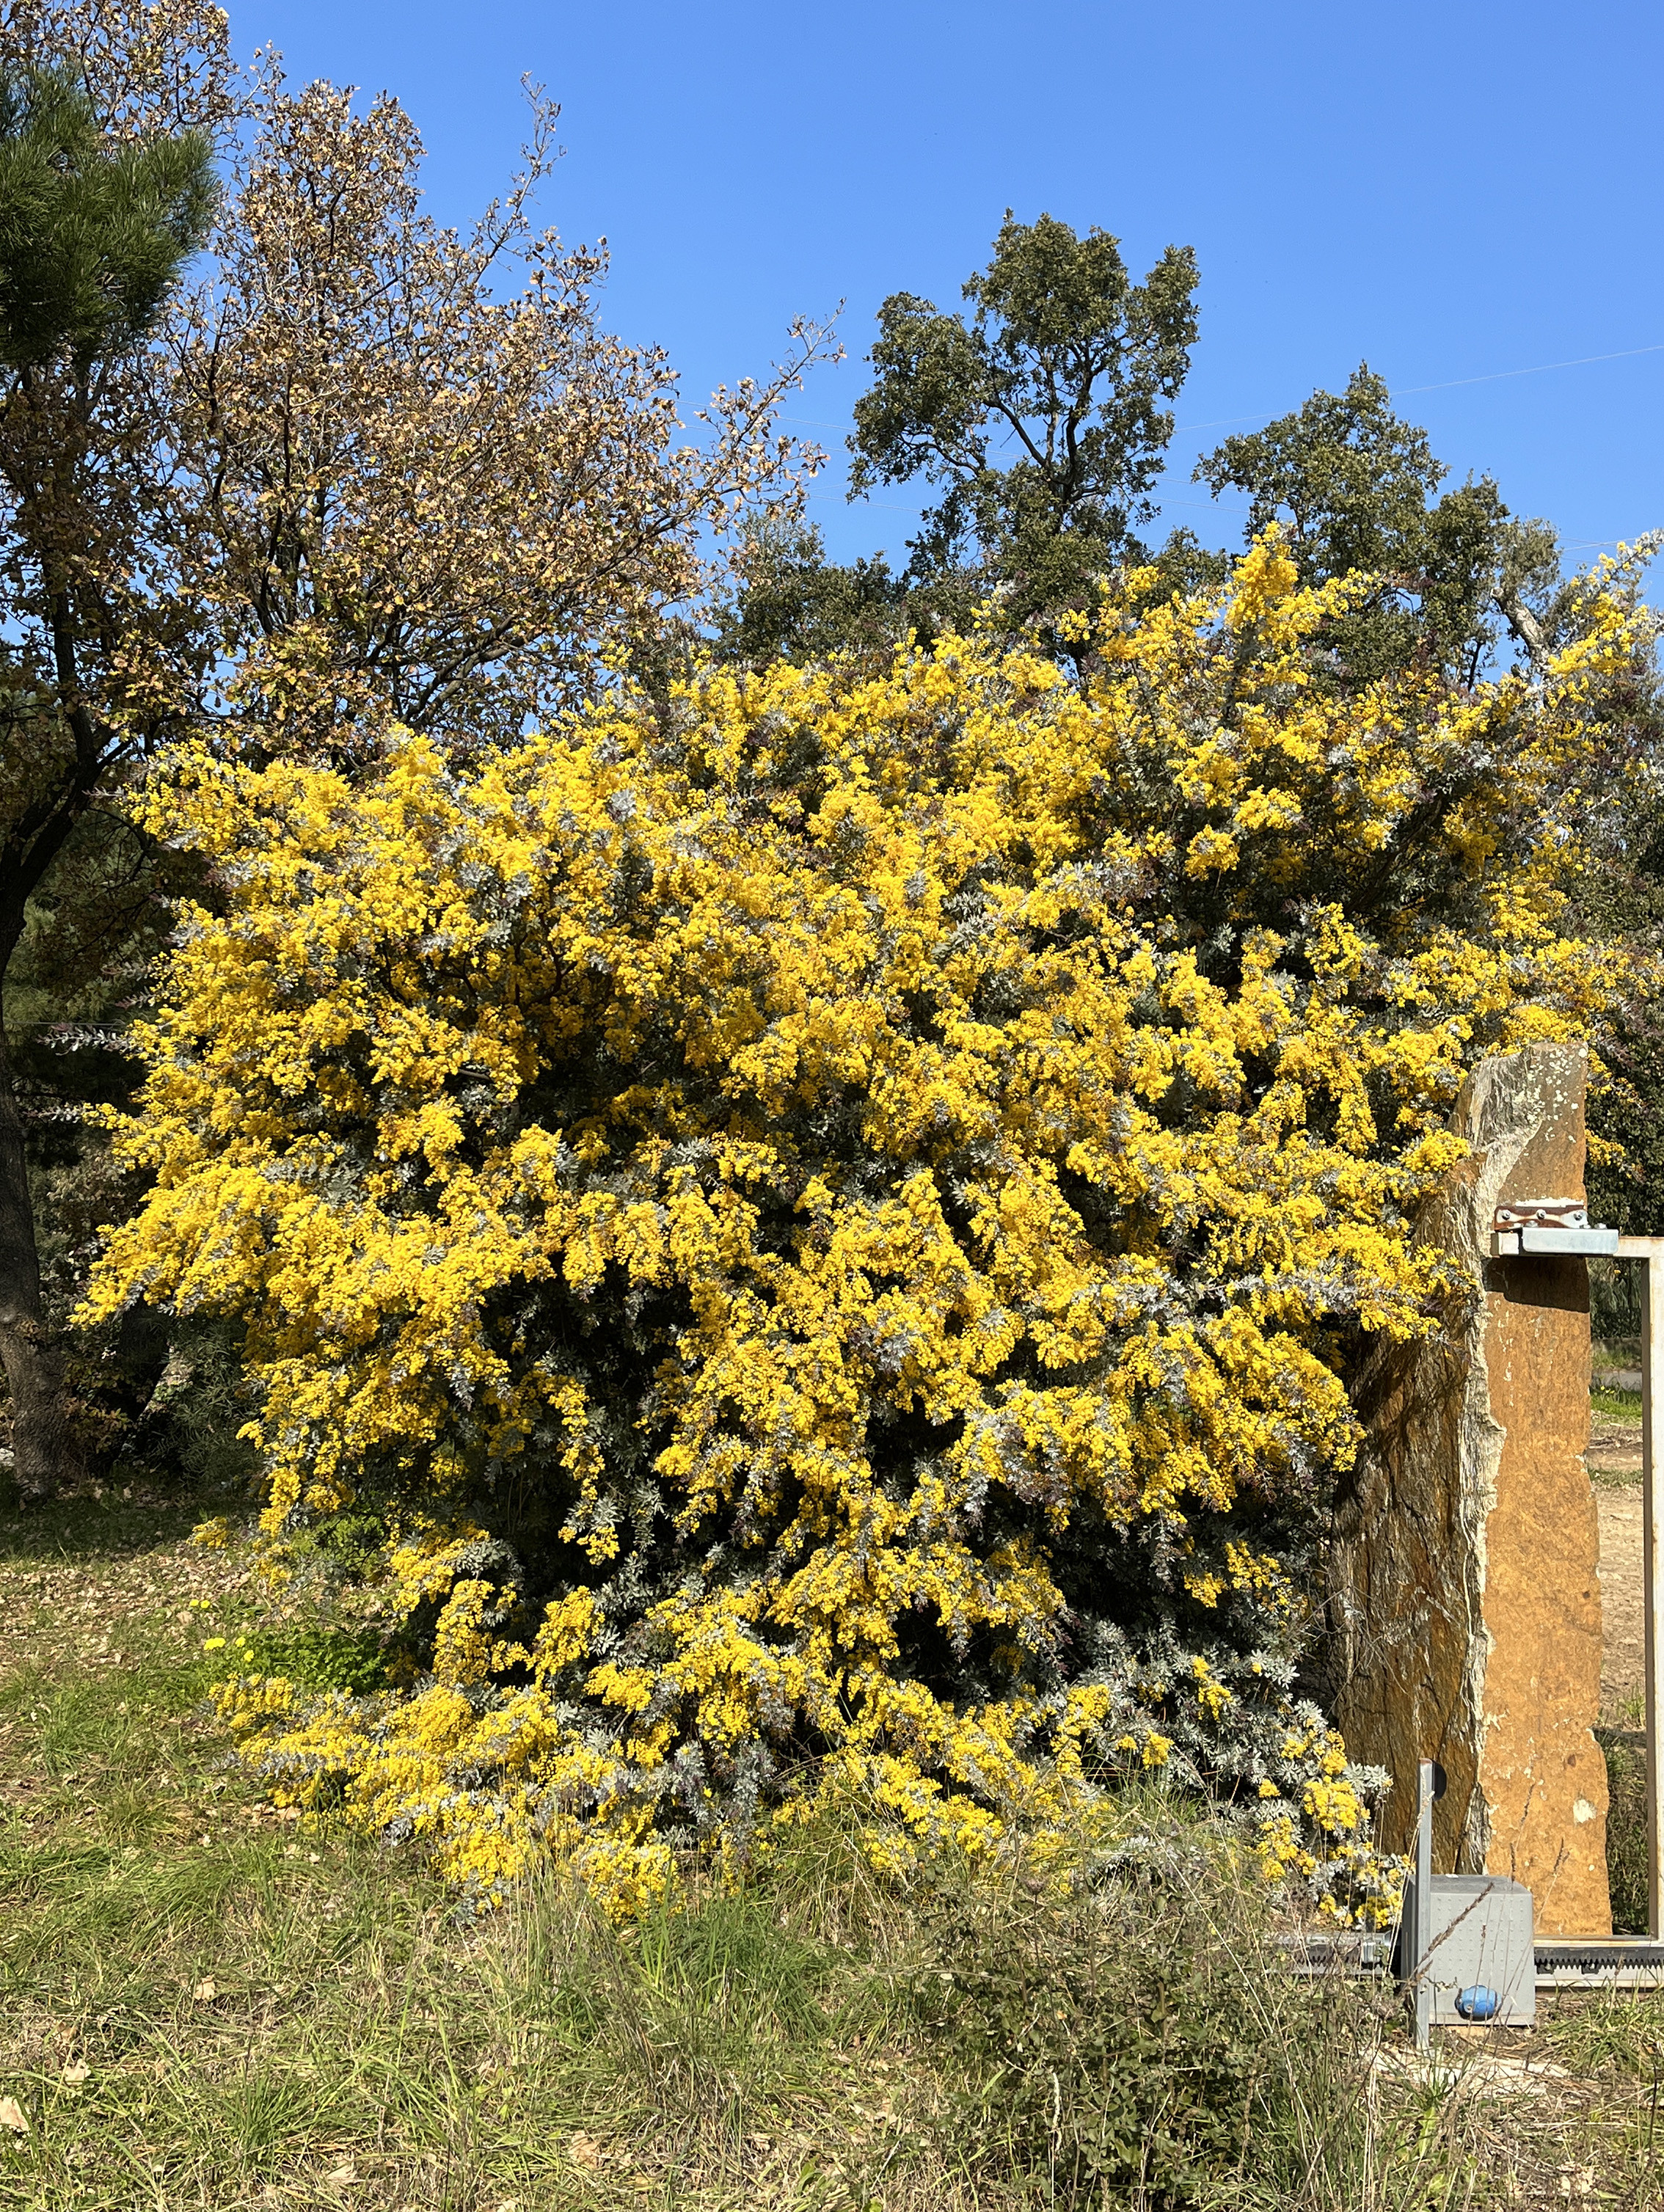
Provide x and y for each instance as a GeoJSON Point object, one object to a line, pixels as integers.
{"type": "Point", "coordinates": [828, 1223]}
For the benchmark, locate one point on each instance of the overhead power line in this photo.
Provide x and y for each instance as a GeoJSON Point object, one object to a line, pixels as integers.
{"type": "Point", "coordinates": [1448, 384]}
{"type": "Point", "coordinates": [1398, 391]}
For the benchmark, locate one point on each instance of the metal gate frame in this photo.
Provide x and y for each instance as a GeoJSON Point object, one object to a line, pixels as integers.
{"type": "Point", "coordinates": [1651, 1250]}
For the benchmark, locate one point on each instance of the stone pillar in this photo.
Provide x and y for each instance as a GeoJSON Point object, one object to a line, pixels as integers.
{"type": "Point", "coordinates": [1465, 1585]}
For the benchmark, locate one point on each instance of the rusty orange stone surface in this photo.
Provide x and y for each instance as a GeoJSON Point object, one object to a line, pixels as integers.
{"type": "Point", "coordinates": [1465, 1586]}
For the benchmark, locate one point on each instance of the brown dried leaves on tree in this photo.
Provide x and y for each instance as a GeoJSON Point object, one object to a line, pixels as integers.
{"type": "Point", "coordinates": [365, 469]}
{"type": "Point", "coordinates": [428, 497]}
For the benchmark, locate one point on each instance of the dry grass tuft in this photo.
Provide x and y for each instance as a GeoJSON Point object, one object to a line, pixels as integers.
{"type": "Point", "coordinates": [206, 2007]}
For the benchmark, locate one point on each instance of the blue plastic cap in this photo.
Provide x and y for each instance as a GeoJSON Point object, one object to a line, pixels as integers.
{"type": "Point", "coordinates": [1477, 2003]}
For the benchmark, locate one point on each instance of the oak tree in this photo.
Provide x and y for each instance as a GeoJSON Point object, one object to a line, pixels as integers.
{"type": "Point", "coordinates": [1041, 413]}
{"type": "Point", "coordinates": [1353, 485]}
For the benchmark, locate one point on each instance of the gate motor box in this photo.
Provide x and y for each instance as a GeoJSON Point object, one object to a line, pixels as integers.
{"type": "Point", "coordinates": [1481, 1962]}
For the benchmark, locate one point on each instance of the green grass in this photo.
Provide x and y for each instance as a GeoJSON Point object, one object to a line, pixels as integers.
{"type": "Point", "coordinates": [208, 2006]}
{"type": "Point", "coordinates": [1615, 1404]}
{"type": "Point", "coordinates": [1610, 2035]}
{"type": "Point", "coordinates": [1626, 1827]}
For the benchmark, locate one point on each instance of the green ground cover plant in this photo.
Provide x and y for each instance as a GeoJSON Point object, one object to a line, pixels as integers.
{"type": "Point", "coordinates": [1626, 1827]}
{"type": "Point", "coordinates": [1616, 1404]}
{"type": "Point", "coordinates": [207, 2004]}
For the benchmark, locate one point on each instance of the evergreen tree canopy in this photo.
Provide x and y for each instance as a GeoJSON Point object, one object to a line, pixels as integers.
{"type": "Point", "coordinates": [93, 233]}
{"type": "Point", "coordinates": [795, 604]}
{"type": "Point", "coordinates": [1353, 485]}
{"type": "Point", "coordinates": [1064, 362]}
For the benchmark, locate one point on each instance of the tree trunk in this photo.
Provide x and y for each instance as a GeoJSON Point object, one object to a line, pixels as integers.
{"type": "Point", "coordinates": [45, 1450]}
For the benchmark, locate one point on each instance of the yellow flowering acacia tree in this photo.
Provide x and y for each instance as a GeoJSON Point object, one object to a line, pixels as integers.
{"type": "Point", "coordinates": [826, 1226]}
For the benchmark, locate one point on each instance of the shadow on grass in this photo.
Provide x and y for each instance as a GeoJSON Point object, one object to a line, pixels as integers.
{"type": "Point", "coordinates": [91, 1523]}
{"type": "Point", "coordinates": [1625, 1752]}
{"type": "Point", "coordinates": [205, 2004]}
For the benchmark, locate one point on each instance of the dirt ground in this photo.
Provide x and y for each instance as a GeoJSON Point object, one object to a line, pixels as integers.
{"type": "Point", "coordinates": [1614, 1461]}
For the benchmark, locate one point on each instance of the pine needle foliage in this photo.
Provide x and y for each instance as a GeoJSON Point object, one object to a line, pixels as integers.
{"type": "Point", "coordinates": [93, 234]}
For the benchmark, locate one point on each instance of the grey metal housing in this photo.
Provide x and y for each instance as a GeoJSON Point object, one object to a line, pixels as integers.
{"type": "Point", "coordinates": [1481, 1937]}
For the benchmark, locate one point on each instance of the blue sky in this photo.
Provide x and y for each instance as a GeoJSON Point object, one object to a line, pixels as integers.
{"type": "Point", "coordinates": [1449, 191]}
